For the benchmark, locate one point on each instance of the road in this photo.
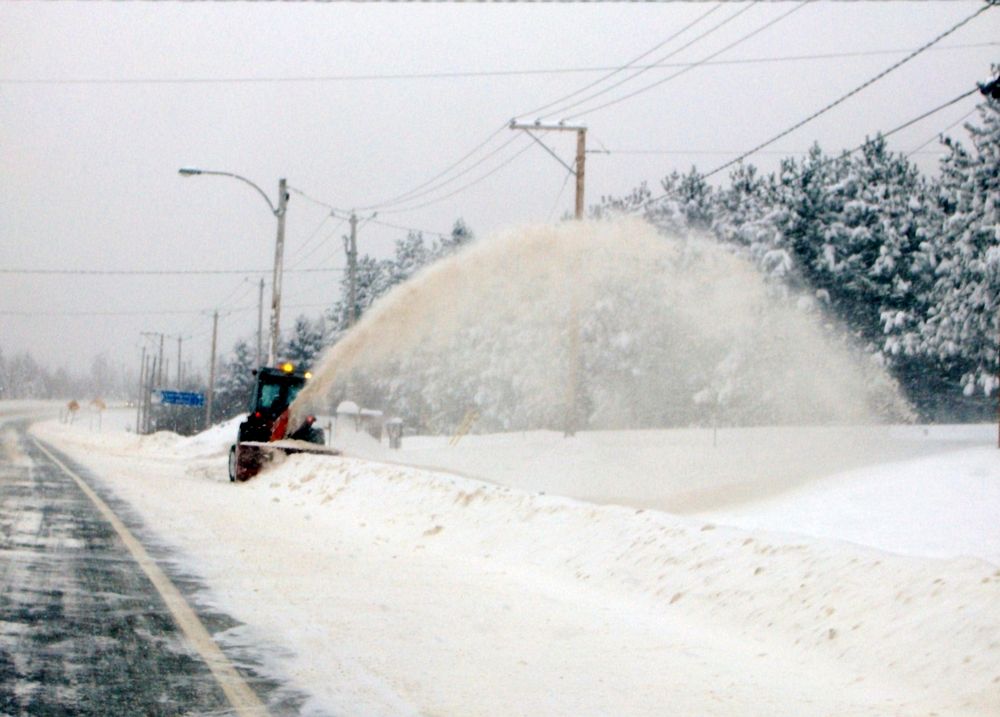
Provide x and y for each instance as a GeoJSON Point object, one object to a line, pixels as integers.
{"type": "Point", "coordinates": [90, 621]}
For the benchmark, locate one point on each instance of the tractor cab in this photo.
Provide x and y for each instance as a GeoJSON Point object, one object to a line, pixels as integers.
{"type": "Point", "coordinates": [273, 392]}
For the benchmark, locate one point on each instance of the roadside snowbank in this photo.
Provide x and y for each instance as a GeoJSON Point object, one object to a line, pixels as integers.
{"type": "Point", "coordinates": [394, 590]}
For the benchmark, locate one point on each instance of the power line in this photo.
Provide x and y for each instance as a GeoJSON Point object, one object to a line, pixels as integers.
{"type": "Point", "coordinates": [677, 74]}
{"type": "Point", "coordinates": [313, 234]}
{"type": "Point", "coordinates": [705, 152]}
{"type": "Point", "coordinates": [302, 259]}
{"type": "Point", "coordinates": [691, 42]}
{"type": "Point", "coordinates": [157, 272]}
{"type": "Point", "coordinates": [411, 229]}
{"type": "Point", "coordinates": [405, 196]}
{"type": "Point", "coordinates": [853, 92]}
{"type": "Point", "coordinates": [465, 186]}
{"type": "Point", "coordinates": [455, 74]}
{"type": "Point", "coordinates": [937, 135]}
{"type": "Point", "coordinates": [624, 67]}
{"type": "Point", "coordinates": [414, 194]}
{"type": "Point", "coordinates": [883, 135]}
{"type": "Point", "coordinates": [344, 215]}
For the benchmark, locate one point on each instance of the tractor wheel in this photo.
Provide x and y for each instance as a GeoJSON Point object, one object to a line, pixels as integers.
{"type": "Point", "coordinates": [232, 464]}
{"type": "Point", "coordinates": [247, 461]}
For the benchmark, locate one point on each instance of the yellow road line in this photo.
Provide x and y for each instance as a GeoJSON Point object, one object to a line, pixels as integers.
{"type": "Point", "coordinates": [243, 699]}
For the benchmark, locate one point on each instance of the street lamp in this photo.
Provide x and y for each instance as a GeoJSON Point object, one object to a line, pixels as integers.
{"type": "Point", "coordinates": [279, 246]}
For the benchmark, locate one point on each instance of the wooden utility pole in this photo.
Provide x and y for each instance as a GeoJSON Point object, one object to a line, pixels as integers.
{"type": "Point", "coordinates": [139, 397]}
{"type": "Point", "coordinates": [352, 271]}
{"type": "Point", "coordinates": [575, 360]}
{"type": "Point", "coordinates": [159, 375]}
{"type": "Point", "coordinates": [211, 372]}
{"type": "Point", "coordinates": [179, 339]}
{"type": "Point", "coordinates": [279, 249]}
{"type": "Point", "coordinates": [260, 321]}
{"type": "Point", "coordinates": [581, 153]}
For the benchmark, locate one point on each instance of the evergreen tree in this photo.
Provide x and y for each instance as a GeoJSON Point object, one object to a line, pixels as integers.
{"type": "Point", "coordinates": [960, 325]}
{"type": "Point", "coordinates": [234, 383]}
{"type": "Point", "coordinates": [306, 342]}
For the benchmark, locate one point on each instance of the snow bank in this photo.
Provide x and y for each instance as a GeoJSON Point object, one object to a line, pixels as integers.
{"type": "Point", "coordinates": [383, 589]}
{"type": "Point", "coordinates": [938, 506]}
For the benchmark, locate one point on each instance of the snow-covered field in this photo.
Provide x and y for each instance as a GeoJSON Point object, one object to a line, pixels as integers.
{"type": "Point", "coordinates": [800, 571]}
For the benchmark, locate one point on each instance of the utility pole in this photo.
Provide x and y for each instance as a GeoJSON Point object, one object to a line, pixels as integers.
{"type": "Point", "coordinates": [211, 372]}
{"type": "Point", "coordinates": [351, 247]}
{"type": "Point", "coordinates": [159, 375]}
{"type": "Point", "coordinates": [573, 349]}
{"type": "Point", "coordinates": [279, 249]}
{"type": "Point", "coordinates": [260, 321]}
{"type": "Point", "coordinates": [139, 397]}
{"type": "Point", "coordinates": [581, 152]}
{"type": "Point", "coordinates": [148, 402]}
{"type": "Point", "coordinates": [179, 339]}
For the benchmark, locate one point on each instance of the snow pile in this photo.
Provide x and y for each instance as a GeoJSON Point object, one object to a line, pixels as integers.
{"type": "Point", "coordinates": [386, 590]}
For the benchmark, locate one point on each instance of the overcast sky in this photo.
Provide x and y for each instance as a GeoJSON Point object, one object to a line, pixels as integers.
{"type": "Point", "coordinates": [89, 167]}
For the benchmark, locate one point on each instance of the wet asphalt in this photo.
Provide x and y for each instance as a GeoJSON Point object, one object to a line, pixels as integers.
{"type": "Point", "coordinates": [82, 629]}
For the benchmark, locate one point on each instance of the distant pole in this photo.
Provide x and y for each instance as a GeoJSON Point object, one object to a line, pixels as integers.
{"type": "Point", "coordinates": [352, 268]}
{"type": "Point", "coordinates": [211, 372]}
{"type": "Point", "coordinates": [581, 155]}
{"type": "Point", "coordinates": [260, 321]}
{"type": "Point", "coordinates": [151, 374]}
{"type": "Point", "coordinates": [179, 339]}
{"type": "Point", "coordinates": [142, 382]}
{"type": "Point", "coordinates": [159, 375]}
{"type": "Point", "coordinates": [279, 248]}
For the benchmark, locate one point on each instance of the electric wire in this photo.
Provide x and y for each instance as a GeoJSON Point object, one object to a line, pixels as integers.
{"type": "Point", "coordinates": [457, 74]}
{"type": "Point", "coordinates": [304, 258]}
{"type": "Point", "coordinates": [851, 93]}
{"type": "Point", "coordinates": [858, 148]}
{"type": "Point", "coordinates": [413, 195]}
{"type": "Point", "coordinates": [668, 78]}
{"type": "Point", "coordinates": [559, 196]}
{"type": "Point", "coordinates": [156, 272]}
{"type": "Point", "coordinates": [940, 134]}
{"type": "Point", "coordinates": [312, 235]}
{"type": "Point", "coordinates": [465, 186]}
{"type": "Point", "coordinates": [428, 232]}
{"type": "Point", "coordinates": [624, 67]}
{"type": "Point", "coordinates": [406, 196]}
{"type": "Point", "coordinates": [696, 39]}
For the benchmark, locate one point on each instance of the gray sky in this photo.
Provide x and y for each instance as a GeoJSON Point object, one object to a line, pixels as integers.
{"type": "Point", "coordinates": [89, 169]}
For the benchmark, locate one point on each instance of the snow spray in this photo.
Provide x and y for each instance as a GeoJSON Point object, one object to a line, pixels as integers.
{"type": "Point", "coordinates": [600, 325]}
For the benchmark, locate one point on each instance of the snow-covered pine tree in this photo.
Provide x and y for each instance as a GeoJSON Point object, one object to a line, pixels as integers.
{"type": "Point", "coordinates": [961, 322]}
{"type": "Point", "coordinates": [746, 218]}
{"type": "Point", "coordinates": [234, 382]}
{"type": "Point", "coordinates": [305, 343]}
{"type": "Point", "coordinates": [459, 237]}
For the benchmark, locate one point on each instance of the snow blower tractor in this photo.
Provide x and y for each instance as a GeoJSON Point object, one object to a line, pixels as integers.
{"type": "Point", "coordinates": [265, 432]}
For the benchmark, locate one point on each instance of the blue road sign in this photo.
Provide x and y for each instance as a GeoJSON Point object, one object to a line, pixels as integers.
{"type": "Point", "coordinates": [178, 398]}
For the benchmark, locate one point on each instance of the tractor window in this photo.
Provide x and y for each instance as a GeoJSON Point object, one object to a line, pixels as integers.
{"type": "Point", "coordinates": [293, 391]}
{"type": "Point", "coordinates": [269, 393]}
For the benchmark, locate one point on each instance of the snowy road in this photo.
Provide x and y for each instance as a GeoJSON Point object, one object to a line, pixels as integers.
{"type": "Point", "coordinates": [83, 630]}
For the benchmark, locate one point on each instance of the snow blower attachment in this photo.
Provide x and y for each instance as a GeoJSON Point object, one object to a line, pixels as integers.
{"type": "Point", "coordinates": [265, 432]}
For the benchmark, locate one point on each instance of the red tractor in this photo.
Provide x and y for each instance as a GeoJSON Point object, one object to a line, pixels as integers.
{"type": "Point", "coordinates": [264, 433]}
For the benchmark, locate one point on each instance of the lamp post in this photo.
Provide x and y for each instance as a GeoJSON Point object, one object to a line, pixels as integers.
{"type": "Point", "coordinates": [279, 247]}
